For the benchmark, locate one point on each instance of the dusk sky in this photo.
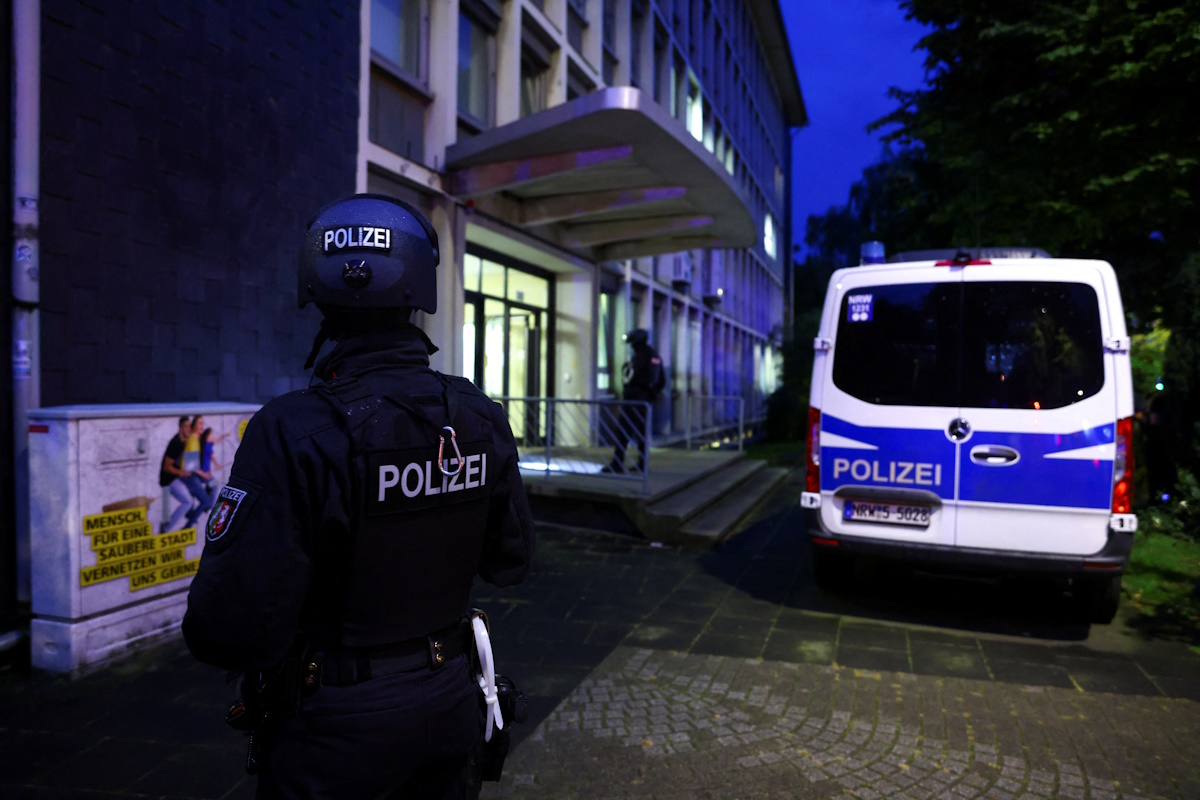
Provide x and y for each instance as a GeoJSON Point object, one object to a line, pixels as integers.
{"type": "Point", "coordinates": [847, 53]}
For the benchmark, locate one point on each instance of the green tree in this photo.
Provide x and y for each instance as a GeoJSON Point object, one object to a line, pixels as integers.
{"type": "Point", "coordinates": [1068, 125]}
{"type": "Point", "coordinates": [1181, 368]}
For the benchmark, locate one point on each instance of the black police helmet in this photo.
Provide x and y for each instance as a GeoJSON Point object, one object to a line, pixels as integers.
{"type": "Point", "coordinates": [637, 336]}
{"type": "Point", "coordinates": [369, 251]}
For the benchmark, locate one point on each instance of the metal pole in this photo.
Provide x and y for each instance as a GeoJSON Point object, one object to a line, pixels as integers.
{"type": "Point", "coordinates": [549, 431]}
{"type": "Point", "coordinates": [687, 423]}
{"type": "Point", "coordinates": [646, 465]}
{"type": "Point", "coordinates": [25, 294]}
{"type": "Point", "coordinates": [741, 422]}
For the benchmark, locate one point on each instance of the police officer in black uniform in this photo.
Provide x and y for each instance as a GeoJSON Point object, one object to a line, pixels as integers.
{"type": "Point", "coordinates": [339, 558]}
{"type": "Point", "coordinates": [644, 378]}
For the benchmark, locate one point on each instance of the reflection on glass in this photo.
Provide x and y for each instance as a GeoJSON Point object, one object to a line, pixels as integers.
{"type": "Point", "coordinates": [469, 341]}
{"type": "Point", "coordinates": [603, 358]}
{"type": "Point", "coordinates": [519, 329]}
{"type": "Point", "coordinates": [396, 32]}
{"type": "Point", "coordinates": [528, 289]}
{"type": "Point", "coordinates": [493, 348]}
{"type": "Point", "coordinates": [473, 69]}
{"type": "Point", "coordinates": [492, 278]}
{"type": "Point", "coordinates": [471, 269]}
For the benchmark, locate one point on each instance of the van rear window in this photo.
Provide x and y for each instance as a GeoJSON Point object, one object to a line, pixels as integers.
{"type": "Point", "coordinates": [997, 344]}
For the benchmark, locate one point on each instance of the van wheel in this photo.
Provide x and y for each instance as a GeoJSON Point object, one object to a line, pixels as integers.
{"type": "Point", "coordinates": [1097, 598]}
{"type": "Point", "coordinates": [833, 572]}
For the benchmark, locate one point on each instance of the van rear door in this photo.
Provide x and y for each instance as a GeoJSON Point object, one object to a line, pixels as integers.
{"type": "Point", "coordinates": [888, 393]}
{"type": "Point", "coordinates": [1039, 395]}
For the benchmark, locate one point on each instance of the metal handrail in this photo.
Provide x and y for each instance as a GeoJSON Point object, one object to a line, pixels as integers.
{"type": "Point", "coordinates": [710, 423]}
{"type": "Point", "coordinates": [571, 434]}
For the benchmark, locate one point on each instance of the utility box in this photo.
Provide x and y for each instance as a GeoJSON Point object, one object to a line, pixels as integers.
{"type": "Point", "coordinates": [112, 553]}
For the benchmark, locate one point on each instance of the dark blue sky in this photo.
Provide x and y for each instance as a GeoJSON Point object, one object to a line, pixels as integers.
{"type": "Point", "coordinates": [847, 53]}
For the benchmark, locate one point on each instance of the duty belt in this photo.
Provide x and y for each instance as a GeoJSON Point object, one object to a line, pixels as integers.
{"type": "Point", "coordinates": [354, 665]}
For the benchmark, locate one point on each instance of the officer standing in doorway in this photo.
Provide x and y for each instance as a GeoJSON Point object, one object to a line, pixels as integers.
{"type": "Point", "coordinates": [339, 558]}
{"type": "Point", "coordinates": [644, 378]}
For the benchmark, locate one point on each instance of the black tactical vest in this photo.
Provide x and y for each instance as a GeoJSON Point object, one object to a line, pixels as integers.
{"type": "Point", "coordinates": [416, 533]}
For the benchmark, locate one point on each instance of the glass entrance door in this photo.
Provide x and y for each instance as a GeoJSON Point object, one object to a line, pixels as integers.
{"type": "Point", "coordinates": [505, 353]}
{"type": "Point", "coordinates": [506, 337]}
{"type": "Point", "coordinates": [507, 358]}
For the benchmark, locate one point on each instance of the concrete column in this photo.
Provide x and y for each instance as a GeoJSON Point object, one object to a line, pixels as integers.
{"type": "Point", "coordinates": [441, 117]}
{"type": "Point", "coordinates": [445, 327]}
{"type": "Point", "coordinates": [508, 65]}
{"type": "Point", "coordinates": [575, 334]}
{"type": "Point", "coordinates": [624, 45]}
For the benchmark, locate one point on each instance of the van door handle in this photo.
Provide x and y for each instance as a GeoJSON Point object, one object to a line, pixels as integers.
{"type": "Point", "coordinates": [994, 455]}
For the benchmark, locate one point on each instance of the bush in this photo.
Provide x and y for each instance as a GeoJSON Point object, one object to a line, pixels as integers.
{"type": "Point", "coordinates": [1180, 516]}
{"type": "Point", "coordinates": [785, 415]}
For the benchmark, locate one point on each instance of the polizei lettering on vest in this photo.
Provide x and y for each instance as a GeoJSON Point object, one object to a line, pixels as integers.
{"type": "Point", "coordinates": [423, 479]}
{"type": "Point", "coordinates": [900, 473]}
{"type": "Point", "coordinates": [357, 236]}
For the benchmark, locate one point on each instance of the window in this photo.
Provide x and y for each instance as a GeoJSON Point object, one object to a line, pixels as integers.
{"type": "Point", "coordinates": [396, 34]}
{"type": "Point", "coordinates": [637, 30]}
{"type": "Point", "coordinates": [475, 56]}
{"type": "Point", "coordinates": [673, 99]}
{"type": "Point", "coordinates": [769, 236]}
{"type": "Point", "coordinates": [576, 23]}
{"type": "Point", "coordinates": [898, 345]}
{"type": "Point", "coordinates": [578, 83]}
{"type": "Point", "coordinates": [708, 128]}
{"type": "Point", "coordinates": [1009, 344]}
{"type": "Point", "coordinates": [534, 78]}
{"type": "Point", "coordinates": [695, 110]}
{"type": "Point", "coordinates": [662, 72]}
{"type": "Point", "coordinates": [610, 24]}
{"type": "Point", "coordinates": [1030, 345]}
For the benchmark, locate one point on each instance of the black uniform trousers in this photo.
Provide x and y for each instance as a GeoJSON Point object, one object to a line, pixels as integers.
{"type": "Point", "coordinates": [630, 423]}
{"type": "Point", "coordinates": [395, 737]}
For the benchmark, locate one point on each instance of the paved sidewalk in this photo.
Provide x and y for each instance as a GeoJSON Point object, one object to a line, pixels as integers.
{"type": "Point", "coordinates": [655, 672]}
{"type": "Point", "coordinates": [669, 725]}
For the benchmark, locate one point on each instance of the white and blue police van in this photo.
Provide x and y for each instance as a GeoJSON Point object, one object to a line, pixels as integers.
{"type": "Point", "coordinates": [973, 410]}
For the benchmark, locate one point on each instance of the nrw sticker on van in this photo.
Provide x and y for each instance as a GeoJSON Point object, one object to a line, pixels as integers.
{"type": "Point", "coordinates": [860, 307]}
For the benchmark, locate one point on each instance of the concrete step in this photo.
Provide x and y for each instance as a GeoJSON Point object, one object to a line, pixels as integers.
{"type": "Point", "coordinates": [692, 499]}
{"type": "Point", "coordinates": [710, 527]}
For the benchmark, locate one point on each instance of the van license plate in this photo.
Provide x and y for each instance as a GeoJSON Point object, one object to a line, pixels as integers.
{"type": "Point", "coordinates": [887, 513]}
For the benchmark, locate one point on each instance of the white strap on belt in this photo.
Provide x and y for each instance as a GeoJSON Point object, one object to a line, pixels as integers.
{"type": "Point", "coordinates": [487, 681]}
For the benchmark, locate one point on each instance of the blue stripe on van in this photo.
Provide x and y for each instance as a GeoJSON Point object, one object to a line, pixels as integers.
{"type": "Point", "coordinates": [924, 459]}
{"type": "Point", "coordinates": [1037, 480]}
{"type": "Point", "coordinates": [905, 458]}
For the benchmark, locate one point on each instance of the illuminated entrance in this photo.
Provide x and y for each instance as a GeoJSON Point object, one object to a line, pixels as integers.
{"type": "Point", "coordinates": [506, 336]}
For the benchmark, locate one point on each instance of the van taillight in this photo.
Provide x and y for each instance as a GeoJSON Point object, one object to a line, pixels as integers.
{"type": "Point", "coordinates": [1122, 497]}
{"type": "Point", "coordinates": [812, 473]}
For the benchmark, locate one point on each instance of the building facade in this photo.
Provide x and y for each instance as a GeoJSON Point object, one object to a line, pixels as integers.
{"type": "Point", "coordinates": [615, 164]}
{"type": "Point", "coordinates": [590, 166]}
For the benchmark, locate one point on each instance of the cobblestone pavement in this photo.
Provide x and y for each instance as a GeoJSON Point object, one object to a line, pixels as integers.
{"type": "Point", "coordinates": [661, 724]}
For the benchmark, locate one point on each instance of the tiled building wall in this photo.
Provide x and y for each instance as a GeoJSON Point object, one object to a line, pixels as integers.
{"type": "Point", "coordinates": [184, 147]}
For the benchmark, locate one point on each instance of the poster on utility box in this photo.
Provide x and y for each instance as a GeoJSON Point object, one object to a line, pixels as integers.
{"type": "Point", "coordinates": [146, 487]}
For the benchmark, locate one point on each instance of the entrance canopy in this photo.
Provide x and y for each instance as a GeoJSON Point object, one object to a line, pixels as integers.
{"type": "Point", "coordinates": [610, 175]}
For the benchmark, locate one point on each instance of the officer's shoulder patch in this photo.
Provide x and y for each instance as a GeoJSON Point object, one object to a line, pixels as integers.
{"type": "Point", "coordinates": [222, 527]}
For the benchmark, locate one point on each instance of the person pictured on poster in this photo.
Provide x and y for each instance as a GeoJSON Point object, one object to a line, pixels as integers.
{"type": "Point", "coordinates": [208, 460]}
{"type": "Point", "coordinates": [197, 480]}
{"type": "Point", "coordinates": [172, 475]}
